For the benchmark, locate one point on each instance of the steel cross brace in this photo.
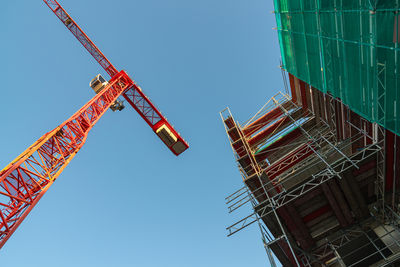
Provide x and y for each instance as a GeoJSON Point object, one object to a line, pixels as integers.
{"type": "Point", "coordinates": [281, 199]}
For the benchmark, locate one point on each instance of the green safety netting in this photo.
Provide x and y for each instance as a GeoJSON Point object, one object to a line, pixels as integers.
{"type": "Point", "coordinates": [349, 48]}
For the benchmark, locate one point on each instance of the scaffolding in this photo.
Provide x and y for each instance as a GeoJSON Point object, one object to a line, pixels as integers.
{"type": "Point", "coordinates": [321, 168]}
{"type": "Point", "coordinates": [313, 146]}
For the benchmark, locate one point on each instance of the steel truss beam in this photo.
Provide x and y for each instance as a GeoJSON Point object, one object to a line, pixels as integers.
{"type": "Point", "coordinates": [312, 138]}
{"type": "Point", "coordinates": [284, 176]}
{"type": "Point", "coordinates": [320, 139]}
{"type": "Point", "coordinates": [266, 207]}
{"type": "Point", "coordinates": [380, 183]}
{"type": "Point", "coordinates": [347, 235]}
{"type": "Point", "coordinates": [381, 135]}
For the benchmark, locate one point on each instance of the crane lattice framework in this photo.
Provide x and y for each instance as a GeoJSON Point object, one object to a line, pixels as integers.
{"type": "Point", "coordinates": [26, 179]}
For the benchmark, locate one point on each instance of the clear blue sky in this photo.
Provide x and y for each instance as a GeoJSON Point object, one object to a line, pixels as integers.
{"type": "Point", "coordinates": [125, 200]}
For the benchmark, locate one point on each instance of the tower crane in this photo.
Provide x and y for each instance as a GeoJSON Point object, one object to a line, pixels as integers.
{"type": "Point", "coordinates": [27, 178]}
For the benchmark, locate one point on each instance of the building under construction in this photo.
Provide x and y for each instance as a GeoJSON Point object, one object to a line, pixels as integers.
{"type": "Point", "coordinates": [320, 161]}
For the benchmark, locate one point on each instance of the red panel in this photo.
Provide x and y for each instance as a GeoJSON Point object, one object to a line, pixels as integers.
{"type": "Point", "coordinates": [355, 120]}
{"type": "Point", "coordinates": [306, 240]}
{"type": "Point", "coordinates": [229, 122]}
{"type": "Point", "coordinates": [303, 95]}
{"type": "Point", "coordinates": [347, 127]}
{"type": "Point", "coordinates": [288, 161]}
{"type": "Point", "coordinates": [239, 148]}
{"type": "Point", "coordinates": [334, 203]}
{"type": "Point", "coordinates": [366, 167]}
{"type": "Point", "coordinates": [285, 247]}
{"type": "Point", "coordinates": [307, 197]}
{"type": "Point", "coordinates": [262, 121]}
{"type": "Point", "coordinates": [298, 230]}
{"type": "Point", "coordinates": [339, 197]}
{"type": "Point", "coordinates": [315, 214]}
{"type": "Point", "coordinates": [292, 88]}
{"type": "Point", "coordinates": [338, 119]}
{"type": "Point", "coordinates": [257, 139]}
{"type": "Point", "coordinates": [368, 141]}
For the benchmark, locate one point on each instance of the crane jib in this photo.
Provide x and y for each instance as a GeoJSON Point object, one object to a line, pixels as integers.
{"type": "Point", "coordinates": [60, 12]}
{"type": "Point", "coordinates": [134, 95]}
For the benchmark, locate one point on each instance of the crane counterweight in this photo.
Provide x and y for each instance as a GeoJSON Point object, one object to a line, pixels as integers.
{"type": "Point", "coordinates": [98, 83]}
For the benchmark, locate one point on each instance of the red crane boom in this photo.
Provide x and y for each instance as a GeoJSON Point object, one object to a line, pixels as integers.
{"type": "Point", "coordinates": [133, 95]}
{"type": "Point", "coordinates": [25, 180]}
{"type": "Point", "coordinates": [81, 36]}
